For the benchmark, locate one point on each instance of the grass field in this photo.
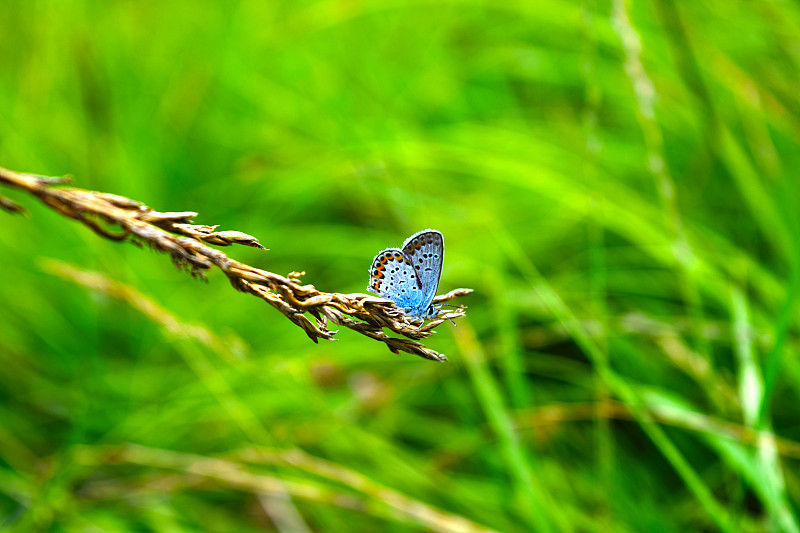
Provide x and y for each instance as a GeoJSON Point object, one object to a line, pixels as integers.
{"type": "Point", "coordinates": [617, 181]}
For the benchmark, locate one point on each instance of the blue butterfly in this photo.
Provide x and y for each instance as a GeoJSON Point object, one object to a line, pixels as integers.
{"type": "Point", "coordinates": [410, 276]}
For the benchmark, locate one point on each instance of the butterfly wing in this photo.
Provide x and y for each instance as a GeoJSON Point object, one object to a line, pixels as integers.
{"type": "Point", "coordinates": [425, 249]}
{"type": "Point", "coordinates": [392, 276]}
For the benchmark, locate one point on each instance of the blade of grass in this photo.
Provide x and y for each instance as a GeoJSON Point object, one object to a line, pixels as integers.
{"type": "Point", "coordinates": [505, 315]}
{"type": "Point", "coordinates": [763, 209]}
{"type": "Point", "coordinates": [616, 383]}
{"type": "Point", "coordinates": [596, 237]}
{"type": "Point", "coordinates": [751, 390]}
{"type": "Point", "coordinates": [645, 95]}
{"type": "Point", "coordinates": [539, 509]}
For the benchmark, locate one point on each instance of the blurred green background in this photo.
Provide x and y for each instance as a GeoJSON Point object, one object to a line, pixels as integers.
{"type": "Point", "coordinates": [617, 181]}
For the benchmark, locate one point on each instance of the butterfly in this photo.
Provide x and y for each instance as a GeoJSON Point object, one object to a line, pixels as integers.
{"type": "Point", "coordinates": [409, 276]}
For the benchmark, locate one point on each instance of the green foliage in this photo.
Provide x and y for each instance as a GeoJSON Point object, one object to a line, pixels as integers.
{"type": "Point", "coordinates": [617, 182]}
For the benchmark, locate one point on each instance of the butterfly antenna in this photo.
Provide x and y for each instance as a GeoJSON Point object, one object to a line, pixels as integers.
{"type": "Point", "coordinates": [450, 319]}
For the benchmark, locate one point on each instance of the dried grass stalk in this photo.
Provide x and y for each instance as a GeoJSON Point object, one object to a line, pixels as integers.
{"type": "Point", "coordinates": [119, 218]}
{"type": "Point", "coordinates": [239, 470]}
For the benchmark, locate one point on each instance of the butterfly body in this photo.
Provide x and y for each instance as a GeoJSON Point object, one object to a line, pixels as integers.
{"type": "Point", "coordinates": [409, 276]}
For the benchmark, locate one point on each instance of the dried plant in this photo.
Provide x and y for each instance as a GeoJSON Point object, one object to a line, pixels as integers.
{"type": "Point", "coordinates": [240, 470]}
{"type": "Point", "coordinates": [119, 218]}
